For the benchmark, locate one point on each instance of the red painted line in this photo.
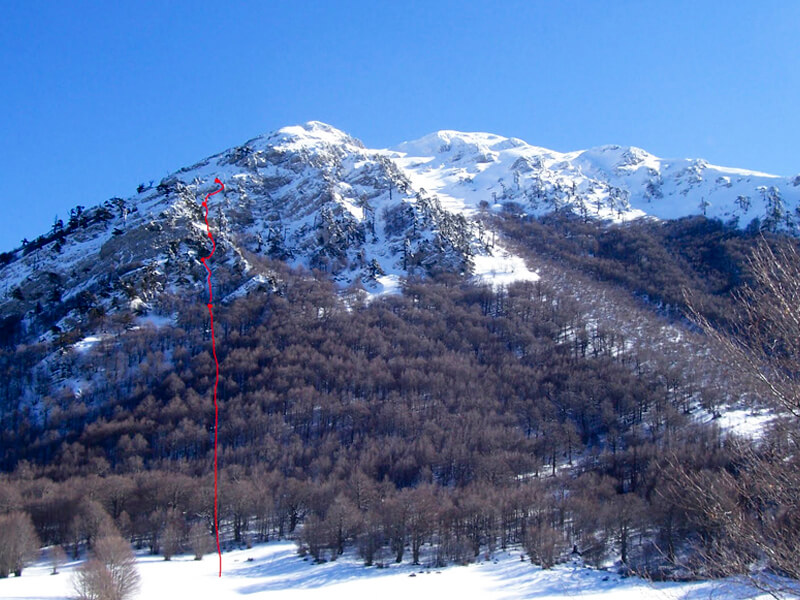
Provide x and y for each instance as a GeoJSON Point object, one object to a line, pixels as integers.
{"type": "Point", "coordinates": [216, 362]}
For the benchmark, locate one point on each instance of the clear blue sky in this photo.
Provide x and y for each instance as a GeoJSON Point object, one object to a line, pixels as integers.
{"type": "Point", "coordinates": [97, 97]}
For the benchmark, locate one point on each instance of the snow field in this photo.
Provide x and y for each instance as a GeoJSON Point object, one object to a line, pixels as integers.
{"type": "Point", "coordinates": [275, 570]}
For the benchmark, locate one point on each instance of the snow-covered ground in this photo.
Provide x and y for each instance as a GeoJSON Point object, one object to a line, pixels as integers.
{"type": "Point", "coordinates": [746, 422]}
{"type": "Point", "coordinates": [502, 268]}
{"type": "Point", "coordinates": [616, 183]}
{"type": "Point", "coordinates": [276, 571]}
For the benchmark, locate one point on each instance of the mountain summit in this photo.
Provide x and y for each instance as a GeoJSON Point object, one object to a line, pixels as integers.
{"type": "Point", "coordinates": [314, 196]}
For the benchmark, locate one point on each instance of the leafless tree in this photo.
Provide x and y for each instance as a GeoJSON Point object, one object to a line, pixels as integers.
{"type": "Point", "coordinates": [19, 543]}
{"type": "Point", "coordinates": [544, 543]}
{"type": "Point", "coordinates": [747, 513]}
{"type": "Point", "coordinates": [200, 541]}
{"type": "Point", "coordinates": [91, 523]}
{"type": "Point", "coordinates": [746, 516]}
{"type": "Point", "coordinates": [9, 496]}
{"type": "Point", "coordinates": [764, 344]}
{"type": "Point", "coordinates": [173, 535]}
{"type": "Point", "coordinates": [57, 558]}
{"type": "Point", "coordinates": [111, 573]}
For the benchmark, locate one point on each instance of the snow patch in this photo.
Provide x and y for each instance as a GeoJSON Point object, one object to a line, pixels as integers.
{"type": "Point", "coordinates": [86, 343]}
{"type": "Point", "coordinates": [502, 268]}
{"type": "Point", "coordinates": [384, 285]}
{"type": "Point", "coordinates": [748, 423]}
{"type": "Point", "coordinates": [157, 321]}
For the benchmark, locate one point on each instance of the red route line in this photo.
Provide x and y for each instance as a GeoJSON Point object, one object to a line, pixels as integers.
{"type": "Point", "coordinates": [216, 362]}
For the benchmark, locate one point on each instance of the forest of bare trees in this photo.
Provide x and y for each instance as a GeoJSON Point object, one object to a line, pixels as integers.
{"type": "Point", "coordinates": [430, 427]}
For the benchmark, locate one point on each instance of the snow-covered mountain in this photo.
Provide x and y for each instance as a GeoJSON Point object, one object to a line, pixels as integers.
{"type": "Point", "coordinates": [616, 183]}
{"type": "Point", "coordinates": [314, 196]}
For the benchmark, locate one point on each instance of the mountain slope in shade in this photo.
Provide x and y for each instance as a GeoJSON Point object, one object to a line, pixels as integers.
{"type": "Point", "coordinates": [315, 197]}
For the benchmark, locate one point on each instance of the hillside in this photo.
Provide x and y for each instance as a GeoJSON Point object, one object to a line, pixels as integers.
{"type": "Point", "coordinates": [458, 345]}
{"type": "Point", "coordinates": [315, 197]}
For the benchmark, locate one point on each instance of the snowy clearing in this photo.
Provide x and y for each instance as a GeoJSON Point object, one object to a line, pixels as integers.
{"type": "Point", "coordinates": [276, 571]}
{"type": "Point", "coordinates": [746, 422]}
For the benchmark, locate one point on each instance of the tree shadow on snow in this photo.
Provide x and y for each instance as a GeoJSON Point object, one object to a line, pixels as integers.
{"type": "Point", "coordinates": [523, 581]}
{"type": "Point", "coordinates": [285, 570]}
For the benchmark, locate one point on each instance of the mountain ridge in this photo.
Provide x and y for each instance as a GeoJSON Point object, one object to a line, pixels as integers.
{"type": "Point", "coordinates": [318, 198]}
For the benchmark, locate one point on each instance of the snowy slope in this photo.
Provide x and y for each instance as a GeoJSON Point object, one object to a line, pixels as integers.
{"type": "Point", "coordinates": [610, 182]}
{"type": "Point", "coordinates": [277, 572]}
{"type": "Point", "coordinates": [316, 197]}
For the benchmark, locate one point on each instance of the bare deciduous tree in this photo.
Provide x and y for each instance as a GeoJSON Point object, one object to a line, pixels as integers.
{"type": "Point", "coordinates": [57, 558]}
{"type": "Point", "coordinates": [200, 541]}
{"type": "Point", "coordinates": [747, 513]}
{"type": "Point", "coordinates": [111, 574]}
{"type": "Point", "coordinates": [173, 536]}
{"type": "Point", "coordinates": [19, 543]}
{"type": "Point", "coordinates": [764, 345]}
{"type": "Point", "coordinates": [544, 543]}
{"type": "Point", "coordinates": [10, 498]}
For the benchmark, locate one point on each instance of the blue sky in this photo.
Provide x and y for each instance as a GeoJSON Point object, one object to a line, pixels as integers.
{"type": "Point", "coordinates": [97, 97]}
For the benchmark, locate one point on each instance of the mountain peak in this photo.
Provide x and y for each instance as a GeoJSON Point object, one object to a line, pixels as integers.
{"type": "Point", "coordinates": [314, 196]}
{"type": "Point", "coordinates": [311, 133]}
{"type": "Point", "coordinates": [452, 142]}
